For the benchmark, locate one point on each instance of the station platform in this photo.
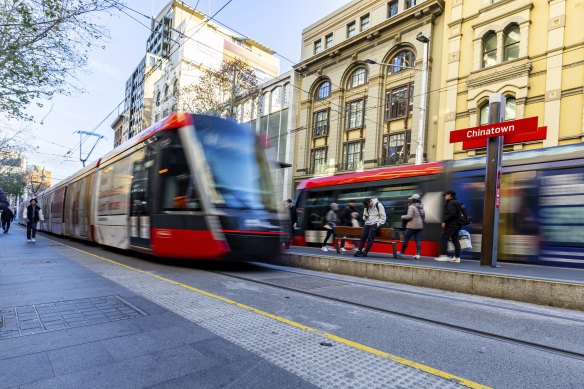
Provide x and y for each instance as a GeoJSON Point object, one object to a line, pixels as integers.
{"type": "Point", "coordinates": [64, 325]}
{"type": "Point", "coordinates": [536, 284]}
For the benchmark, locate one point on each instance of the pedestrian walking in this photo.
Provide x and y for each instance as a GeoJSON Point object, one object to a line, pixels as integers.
{"type": "Point", "coordinates": [451, 226]}
{"type": "Point", "coordinates": [374, 217]}
{"type": "Point", "coordinates": [331, 224]}
{"type": "Point", "coordinates": [346, 219]}
{"type": "Point", "coordinates": [7, 217]}
{"type": "Point", "coordinates": [293, 221]}
{"type": "Point", "coordinates": [33, 216]}
{"type": "Point", "coordinates": [415, 224]}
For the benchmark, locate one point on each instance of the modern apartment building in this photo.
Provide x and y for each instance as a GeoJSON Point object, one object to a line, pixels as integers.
{"type": "Point", "coordinates": [363, 69]}
{"type": "Point", "coordinates": [190, 43]}
{"type": "Point", "coordinates": [532, 52]}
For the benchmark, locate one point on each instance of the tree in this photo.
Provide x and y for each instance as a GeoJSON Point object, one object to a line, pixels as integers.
{"type": "Point", "coordinates": [12, 175]}
{"type": "Point", "coordinates": [217, 91]}
{"type": "Point", "coordinates": [42, 45]}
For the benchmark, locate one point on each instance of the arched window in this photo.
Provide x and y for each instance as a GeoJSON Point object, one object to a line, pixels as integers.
{"type": "Point", "coordinates": [276, 99]}
{"type": "Point", "coordinates": [489, 49]}
{"type": "Point", "coordinates": [405, 58]}
{"type": "Point", "coordinates": [286, 95]}
{"type": "Point", "coordinates": [510, 108]}
{"type": "Point", "coordinates": [358, 77]}
{"type": "Point", "coordinates": [484, 114]}
{"type": "Point", "coordinates": [158, 98]}
{"type": "Point", "coordinates": [324, 90]}
{"type": "Point", "coordinates": [511, 49]}
{"type": "Point", "coordinates": [166, 91]}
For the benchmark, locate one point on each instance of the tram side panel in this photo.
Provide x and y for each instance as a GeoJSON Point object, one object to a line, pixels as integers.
{"type": "Point", "coordinates": [114, 181]}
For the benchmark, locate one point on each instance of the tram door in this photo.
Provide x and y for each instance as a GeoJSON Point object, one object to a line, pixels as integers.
{"type": "Point", "coordinates": [140, 199]}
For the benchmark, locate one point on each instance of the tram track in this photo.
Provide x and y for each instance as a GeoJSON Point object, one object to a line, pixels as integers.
{"type": "Point", "coordinates": [417, 318]}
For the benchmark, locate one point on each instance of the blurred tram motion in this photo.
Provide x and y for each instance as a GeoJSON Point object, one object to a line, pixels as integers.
{"type": "Point", "coordinates": [190, 186]}
{"type": "Point", "coordinates": [541, 214]}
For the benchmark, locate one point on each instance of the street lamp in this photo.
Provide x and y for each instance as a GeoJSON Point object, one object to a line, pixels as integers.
{"type": "Point", "coordinates": [422, 123]}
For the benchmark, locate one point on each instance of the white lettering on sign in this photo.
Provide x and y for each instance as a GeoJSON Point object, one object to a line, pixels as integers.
{"type": "Point", "coordinates": [501, 130]}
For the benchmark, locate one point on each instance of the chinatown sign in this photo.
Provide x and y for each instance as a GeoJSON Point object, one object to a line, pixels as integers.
{"type": "Point", "coordinates": [511, 127]}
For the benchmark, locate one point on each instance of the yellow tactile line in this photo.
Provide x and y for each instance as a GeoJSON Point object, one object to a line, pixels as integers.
{"type": "Point", "coordinates": [359, 346]}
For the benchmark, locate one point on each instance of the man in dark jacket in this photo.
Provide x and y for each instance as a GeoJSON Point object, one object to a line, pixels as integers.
{"type": "Point", "coordinates": [450, 226]}
{"type": "Point", "coordinates": [7, 217]}
{"type": "Point", "coordinates": [293, 221]}
{"type": "Point", "coordinates": [32, 217]}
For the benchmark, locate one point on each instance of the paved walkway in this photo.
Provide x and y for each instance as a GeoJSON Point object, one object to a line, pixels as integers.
{"type": "Point", "coordinates": [64, 326]}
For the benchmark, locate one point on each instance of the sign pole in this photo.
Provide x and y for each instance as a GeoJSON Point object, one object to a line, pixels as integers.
{"type": "Point", "coordinates": [489, 245]}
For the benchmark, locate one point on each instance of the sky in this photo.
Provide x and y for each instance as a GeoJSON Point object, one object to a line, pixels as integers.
{"type": "Point", "coordinates": [276, 24]}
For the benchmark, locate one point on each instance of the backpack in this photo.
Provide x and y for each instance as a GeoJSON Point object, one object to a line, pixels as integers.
{"type": "Point", "coordinates": [464, 217]}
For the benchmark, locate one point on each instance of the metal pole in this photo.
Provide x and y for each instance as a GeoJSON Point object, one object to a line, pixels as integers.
{"type": "Point", "coordinates": [489, 245]}
{"type": "Point", "coordinates": [423, 110]}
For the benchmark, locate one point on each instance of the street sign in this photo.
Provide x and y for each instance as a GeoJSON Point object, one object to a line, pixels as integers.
{"type": "Point", "coordinates": [494, 129]}
{"type": "Point", "coordinates": [539, 134]}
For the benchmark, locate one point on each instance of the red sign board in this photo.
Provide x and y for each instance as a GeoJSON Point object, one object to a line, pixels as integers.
{"type": "Point", "coordinates": [496, 129]}
{"type": "Point", "coordinates": [539, 134]}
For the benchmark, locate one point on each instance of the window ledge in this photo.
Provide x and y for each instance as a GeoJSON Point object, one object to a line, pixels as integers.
{"type": "Point", "coordinates": [520, 67]}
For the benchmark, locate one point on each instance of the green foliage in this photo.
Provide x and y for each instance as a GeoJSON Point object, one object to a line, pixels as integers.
{"type": "Point", "coordinates": [13, 183]}
{"type": "Point", "coordinates": [42, 45]}
{"type": "Point", "coordinates": [217, 91]}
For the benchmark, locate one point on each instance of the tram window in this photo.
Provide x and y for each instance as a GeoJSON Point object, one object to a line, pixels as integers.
{"type": "Point", "coordinates": [395, 200]}
{"type": "Point", "coordinates": [176, 184]}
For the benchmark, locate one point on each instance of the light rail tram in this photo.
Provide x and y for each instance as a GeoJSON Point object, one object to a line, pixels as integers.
{"type": "Point", "coordinates": [191, 186]}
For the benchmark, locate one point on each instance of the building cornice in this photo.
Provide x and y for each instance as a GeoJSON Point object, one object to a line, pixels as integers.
{"type": "Point", "coordinates": [513, 69]}
{"type": "Point", "coordinates": [428, 9]}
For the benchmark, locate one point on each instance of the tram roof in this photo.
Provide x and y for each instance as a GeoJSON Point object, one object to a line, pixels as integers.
{"type": "Point", "coordinates": [374, 175]}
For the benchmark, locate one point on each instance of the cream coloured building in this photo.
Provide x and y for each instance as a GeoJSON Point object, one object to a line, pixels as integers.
{"type": "Point", "coordinates": [532, 52]}
{"type": "Point", "coordinates": [354, 115]}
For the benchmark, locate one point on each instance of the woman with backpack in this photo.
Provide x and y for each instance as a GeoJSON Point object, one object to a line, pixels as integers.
{"type": "Point", "coordinates": [414, 226]}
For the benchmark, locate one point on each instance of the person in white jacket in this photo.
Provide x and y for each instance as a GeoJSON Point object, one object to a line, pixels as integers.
{"type": "Point", "coordinates": [374, 217]}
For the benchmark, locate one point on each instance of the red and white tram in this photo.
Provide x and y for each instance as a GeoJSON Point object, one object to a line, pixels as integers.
{"type": "Point", "coordinates": [191, 186]}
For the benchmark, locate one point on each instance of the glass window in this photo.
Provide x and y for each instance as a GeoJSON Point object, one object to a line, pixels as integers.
{"type": "Point", "coordinates": [511, 44]}
{"type": "Point", "coordinates": [174, 177]}
{"type": "Point", "coordinates": [158, 98]}
{"type": "Point", "coordinates": [286, 96]}
{"type": "Point", "coordinates": [405, 58]}
{"type": "Point", "coordinates": [399, 101]}
{"type": "Point", "coordinates": [324, 90]}
{"type": "Point", "coordinates": [351, 30]}
{"type": "Point", "coordinates": [396, 148]}
{"type": "Point", "coordinates": [320, 123]}
{"type": "Point", "coordinates": [352, 155]}
{"type": "Point", "coordinates": [484, 114]}
{"type": "Point", "coordinates": [354, 115]}
{"type": "Point", "coordinates": [510, 108]}
{"type": "Point", "coordinates": [364, 22]}
{"type": "Point", "coordinates": [319, 160]}
{"type": "Point", "coordinates": [265, 104]}
{"type": "Point", "coordinates": [358, 77]}
{"type": "Point", "coordinates": [276, 99]}
{"type": "Point", "coordinates": [410, 3]}
{"type": "Point", "coordinates": [175, 88]}
{"type": "Point", "coordinates": [490, 50]}
{"type": "Point", "coordinates": [317, 46]}
{"type": "Point", "coordinates": [166, 92]}
{"type": "Point", "coordinates": [392, 8]}
{"type": "Point", "coordinates": [328, 41]}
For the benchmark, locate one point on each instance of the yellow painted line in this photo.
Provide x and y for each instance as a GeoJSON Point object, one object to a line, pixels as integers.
{"type": "Point", "coordinates": [350, 343]}
{"type": "Point", "coordinates": [465, 272]}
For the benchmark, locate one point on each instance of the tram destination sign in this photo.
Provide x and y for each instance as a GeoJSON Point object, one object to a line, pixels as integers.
{"type": "Point", "coordinates": [495, 129]}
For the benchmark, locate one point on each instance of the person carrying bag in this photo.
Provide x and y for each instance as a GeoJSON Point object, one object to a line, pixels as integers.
{"type": "Point", "coordinates": [331, 224]}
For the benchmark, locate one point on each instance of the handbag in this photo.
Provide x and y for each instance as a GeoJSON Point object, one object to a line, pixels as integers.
{"type": "Point", "coordinates": [464, 239]}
